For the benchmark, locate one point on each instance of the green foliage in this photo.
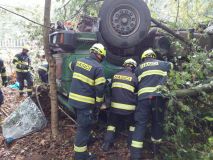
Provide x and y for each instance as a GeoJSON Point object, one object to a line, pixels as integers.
{"type": "Point", "coordinates": [189, 126]}
{"type": "Point", "coordinates": [75, 8]}
{"type": "Point", "coordinates": [182, 13]}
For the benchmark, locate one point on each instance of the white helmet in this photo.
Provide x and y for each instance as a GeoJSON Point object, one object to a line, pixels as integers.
{"type": "Point", "coordinates": [130, 61]}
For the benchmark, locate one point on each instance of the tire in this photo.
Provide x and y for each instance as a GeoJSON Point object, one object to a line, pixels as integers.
{"type": "Point", "coordinates": [124, 23]}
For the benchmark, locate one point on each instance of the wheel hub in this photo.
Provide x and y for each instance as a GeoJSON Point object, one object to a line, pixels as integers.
{"type": "Point", "coordinates": [124, 20]}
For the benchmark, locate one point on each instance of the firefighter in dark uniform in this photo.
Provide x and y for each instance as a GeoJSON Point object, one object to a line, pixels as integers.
{"type": "Point", "coordinates": [152, 74]}
{"type": "Point", "coordinates": [86, 94]}
{"type": "Point", "coordinates": [123, 102]}
{"type": "Point", "coordinates": [43, 70]}
{"type": "Point", "coordinates": [4, 79]}
{"type": "Point", "coordinates": [23, 65]}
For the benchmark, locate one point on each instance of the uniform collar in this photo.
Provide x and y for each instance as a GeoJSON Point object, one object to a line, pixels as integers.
{"type": "Point", "coordinates": [92, 56]}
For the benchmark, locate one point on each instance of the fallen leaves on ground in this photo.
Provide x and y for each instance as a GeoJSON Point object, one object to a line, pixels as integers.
{"type": "Point", "coordinates": [41, 146]}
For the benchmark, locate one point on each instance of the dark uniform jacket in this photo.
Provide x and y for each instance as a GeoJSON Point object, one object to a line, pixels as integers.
{"type": "Point", "coordinates": [124, 88]}
{"type": "Point", "coordinates": [22, 62]}
{"type": "Point", "coordinates": [3, 72]}
{"type": "Point", "coordinates": [152, 74]}
{"type": "Point", "coordinates": [43, 72]}
{"type": "Point", "coordinates": [88, 83]}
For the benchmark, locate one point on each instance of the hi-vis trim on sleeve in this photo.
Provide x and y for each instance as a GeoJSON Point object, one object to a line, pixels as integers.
{"type": "Point", "coordinates": [123, 106]}
{"type": "Point", "coordinates": [100, 81]}
{"type": "Point", "coordinates": [42, 68]}
{"type": "Point", "coordinates": [131, 128]}
{"type": "Point", "coordinates": [81, 98]}
{"type": "Point", "coordinates": [137, 144]}
{"type": "Point", "coordinates": [83, 78]}
{"type": "Point", "coordinates": [152, 72]}
{"type": "Point", "coordinates": [98, 99]}
{"type": "Point", "coordinates": [111, 128]}
{"type": "Point", "coordinates": [148, 89]}
{"type": "Point", "coordinates": [123, 85]}
{"type": "Point", "coordinates": [80, 149]}
{"type": "Point", "coordinates": [20, 70]}
{"type": "Point", "coordinates": [21, 62]}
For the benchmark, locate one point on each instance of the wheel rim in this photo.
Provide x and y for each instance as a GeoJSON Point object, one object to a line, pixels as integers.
{"type": "Point", "coordinates": [124, 20]}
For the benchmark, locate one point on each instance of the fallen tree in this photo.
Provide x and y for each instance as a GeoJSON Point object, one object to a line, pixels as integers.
{"type": "Point", "coordinates": [195, 91]}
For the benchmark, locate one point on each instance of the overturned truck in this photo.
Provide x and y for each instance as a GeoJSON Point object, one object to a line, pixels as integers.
{"type": "Point", "coordinates": [125, 28]}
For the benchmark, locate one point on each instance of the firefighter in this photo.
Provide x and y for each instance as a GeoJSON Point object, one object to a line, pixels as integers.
{"type": "Point", "coordinates": [43, 70]}
{"type": "Point", "coordinates": [86, 94]}
{"type": "Point", "coordinates": [4, 79]}
{"type": "Point", "coordinates": [22, 63]}
{"type": "Point", "coordinates": [152, 74]}
{"type": "Point", "coordinates": [123, 102]}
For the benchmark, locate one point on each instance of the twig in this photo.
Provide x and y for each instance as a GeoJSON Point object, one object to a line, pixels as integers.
{"type": "Point", "coordinates": [178, 9]}
{"type": "Point", "coordinates": [24, 17]}
{"type": "Point", "coordinates": [67, 115]}
{"type": "Point", "coordinates": [65, 4]}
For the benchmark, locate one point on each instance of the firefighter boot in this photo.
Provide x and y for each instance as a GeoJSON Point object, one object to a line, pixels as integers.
{"type": "Point", "coordinates": [155, 149]}
{"type": "Point", "coordinates": [91, 157]}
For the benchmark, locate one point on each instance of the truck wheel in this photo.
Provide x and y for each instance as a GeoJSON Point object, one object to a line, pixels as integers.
{"type": "Point", "coordinates": [124, 23]}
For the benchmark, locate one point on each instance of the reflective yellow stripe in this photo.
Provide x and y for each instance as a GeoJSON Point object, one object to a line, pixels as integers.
{"type": "Point", "coordinates": [123, 106]}
{"type": "Point", "coordinates": [43, 68]}
{"type": "Point", "coordinates": [123, 85]}
{"type": "Point", "coordinates": [151, 72]}
{"type": "Point", "coordinates": [20, 70]}
{"type": "Point", "coordinates": [22, 62]}
{"type": "Point", "coordinates": [83, 78]}
{"type": "Point", "coordinates": [111, 128]}
{"type": "Point", "coordinates": [137, 144]}
{"type": "Point", "coordinates": [98, 99]}
{"type": "Point", "coordinates": [100, 81]}
{"type": "Point", "coordinates": [80, 149]}
{"type": "Point", "coordinates": [131, 129]}
{"type": "Point", "coordinates": [81, 98]}
{"type": "Point", "coordinates": [28, 90]}
{"type": "Point", "coordinates": [156, 140]}
{"type": "Point", "coordinates": [148, 89]}
{"type": "Point", "coordinates": [3, 74]}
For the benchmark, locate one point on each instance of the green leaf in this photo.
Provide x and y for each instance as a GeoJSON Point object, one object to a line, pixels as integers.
{"type": "Point", "coordinates": [210, 139]}
{"type": "Point", "coordinates": [208, 119]}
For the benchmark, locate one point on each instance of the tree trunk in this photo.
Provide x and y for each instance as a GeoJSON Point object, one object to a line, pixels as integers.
{"type": "Point", "coordinates": [196, 91]}
{"type": "Point", "coordinates": [52, 71]}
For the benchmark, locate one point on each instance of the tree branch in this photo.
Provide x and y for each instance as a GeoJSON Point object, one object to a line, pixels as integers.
{"type": "Point", "coordinates": [24, 17]}
{"type": "Point", "coordinates": [196, 91]}
{"type": "Point", "coordinates": [167, 29]}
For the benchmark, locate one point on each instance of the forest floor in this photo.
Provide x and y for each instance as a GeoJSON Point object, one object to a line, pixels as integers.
{"type": "Point", "coordinates": [41, 146]}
